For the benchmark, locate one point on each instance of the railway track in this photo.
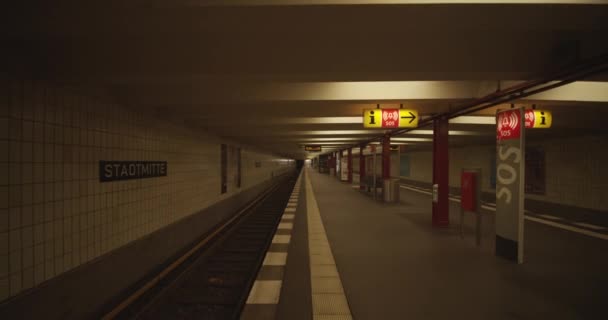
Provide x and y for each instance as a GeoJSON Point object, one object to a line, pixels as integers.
{"type": "Point", "coordinates": [213, 279]}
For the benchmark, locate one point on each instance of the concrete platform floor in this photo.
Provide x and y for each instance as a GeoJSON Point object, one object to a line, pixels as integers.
{"type": "Point", "coordinates": [394, 265]}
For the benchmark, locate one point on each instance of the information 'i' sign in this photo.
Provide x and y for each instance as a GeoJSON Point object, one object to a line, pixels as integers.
{"type": "Point", "coordinates": [390, 118]}
{"type": "Point", "coordinates": [538, 119]}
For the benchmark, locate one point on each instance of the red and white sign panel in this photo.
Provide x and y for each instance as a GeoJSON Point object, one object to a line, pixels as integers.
{"type": "Point", "coordinates": [529, 114]}
{"type": "Point", "coordinates": [538, 119]}
{"type": "Point", "coordinates": [390, 118]}
{"type": "Point", "coordinates": [508, 125]}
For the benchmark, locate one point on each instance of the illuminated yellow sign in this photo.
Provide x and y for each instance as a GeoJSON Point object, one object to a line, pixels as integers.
{"type": "Point", "coordinates": [390, 118]}
{"type": "Point", "coordinates": [313, 148]}
{"type": "Point", "coordinates": [538, 119]}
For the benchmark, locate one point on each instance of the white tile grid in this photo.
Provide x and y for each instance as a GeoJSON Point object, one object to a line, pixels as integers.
{"type": "Point", "coordinates": [287, 218]}
{"type": "Point", "coordinates": [268, 291]}
{"type": "Point", "coordinates": [275, 259]}
{"type": "Point", "coordinates": [265, 292]}
{"type": "Point", "coordinates": [55, 215]}
{"type": "Point", "coordinates": [281, 238]}
{"type": "Point", "coordinates": [328, 298]}
{"type": "Point", "coordinates": [285, 225]}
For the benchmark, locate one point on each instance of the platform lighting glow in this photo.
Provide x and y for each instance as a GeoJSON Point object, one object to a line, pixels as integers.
{"type": "Point", "coordinates": [353, 120]}
{"type": "Point", "coordinates": [451, 132]}
{"type": "Point", "coordinates": [333, 132]}
{"type": "Point", "coordinates": [411, 139]}
{"type": "Point", "coordinates": [378, 2]}
{"type": "Point", "coordinates": [474, 120]}
{"type": "Point", "coordinates": [326, 139]}
{"type": "Point", "coordinates": [326, 143]}
{"type": "Point", "coordinates": [323, 120]}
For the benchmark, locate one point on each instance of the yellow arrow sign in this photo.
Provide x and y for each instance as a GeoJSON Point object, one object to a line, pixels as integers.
{"type": "Point", "coordinates": [390, 118]}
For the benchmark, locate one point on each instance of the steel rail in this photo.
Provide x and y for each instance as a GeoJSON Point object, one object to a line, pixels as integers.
{"type": "Point", "coordinates": [122, 306]}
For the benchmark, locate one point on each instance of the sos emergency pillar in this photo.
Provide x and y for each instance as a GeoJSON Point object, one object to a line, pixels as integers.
{"type": "Point", "coordinates": [361, 167]}
{"type": "Point", "coordinates": [386, 157]}
{"type": "Point", "coordinates": [441, 167]}
{"type": "Point", "coordinates": [510, 179]}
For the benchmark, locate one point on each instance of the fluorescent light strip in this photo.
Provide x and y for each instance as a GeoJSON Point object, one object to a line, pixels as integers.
{"type": "Point", "coordinates": [451, 132]}
{"type": "Point", "coordinates": [334, 132]}
{"type": "Point", "coordinates": [489, 120]}
{"type": "Point", "coordinates": [411, 139]}
{"type": "Point", "coordinates": [326, 139]}
{"type": "Point", "coordinates": [378, 2]}
{"type": "Point", "coordinates": [325, 143]}
{"type": "Point", "coordinates": [323, 120]}
{"type": "Point", "coordinates": [474, 120]}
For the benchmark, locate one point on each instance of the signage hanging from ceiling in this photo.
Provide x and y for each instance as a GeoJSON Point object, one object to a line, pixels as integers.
{"type": "Point", "coordinates": [390, 118]}
{"type": "Point", "coordinates": [508, 125]}
{"type": "Point", "coordinates": [538, 119]}
{"type": "Point", "coordinates": [312, 148]}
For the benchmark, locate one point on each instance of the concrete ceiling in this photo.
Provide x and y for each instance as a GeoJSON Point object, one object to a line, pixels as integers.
{"type": "Point", "coordinates": [255, 71]}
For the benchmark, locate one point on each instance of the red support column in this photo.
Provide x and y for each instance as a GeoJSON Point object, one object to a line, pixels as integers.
{"type": "Point", "coordinates": [441, 165]}
{"type": "Point", "coordinates": [386, 157]}
{"type": "Point", "coordinates": [350, 165]}
{"type": "Point", "coordinates": [361, 167]}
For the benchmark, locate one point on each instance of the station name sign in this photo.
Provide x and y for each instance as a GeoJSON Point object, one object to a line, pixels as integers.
{"type": "Point", "coordinates": [313, 148]}
{"type": "Point", "coordinates": [128, 170]}
{"type": "Point", "coordinates": [390, 118]}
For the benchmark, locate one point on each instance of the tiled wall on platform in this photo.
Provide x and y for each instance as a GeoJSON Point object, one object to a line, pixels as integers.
{"type": "Point", "coordinates": [55, 214]}
{"type": "Point", "coordinates": [575, 169]}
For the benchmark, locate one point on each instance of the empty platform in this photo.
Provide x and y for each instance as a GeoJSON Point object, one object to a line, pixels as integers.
{"type": "Point", "coordinates": [392, 264]}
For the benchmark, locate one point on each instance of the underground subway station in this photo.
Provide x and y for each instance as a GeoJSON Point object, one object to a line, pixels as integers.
{"type": "Point", "coordinates": [292, 159]}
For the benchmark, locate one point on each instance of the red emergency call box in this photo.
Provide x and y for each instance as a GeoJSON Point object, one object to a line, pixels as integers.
{"type": "Point", "coordinates": [468, 192]}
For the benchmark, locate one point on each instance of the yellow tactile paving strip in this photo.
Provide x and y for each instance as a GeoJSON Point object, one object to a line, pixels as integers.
{"type": "Point", "coordinates": [328, 299]}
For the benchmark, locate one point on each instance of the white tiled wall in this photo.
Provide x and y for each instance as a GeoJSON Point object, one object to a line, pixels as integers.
{"type": "Point", "coordinates": [576, 171]}
{"type": "Point", "coordinates": [55, 214]}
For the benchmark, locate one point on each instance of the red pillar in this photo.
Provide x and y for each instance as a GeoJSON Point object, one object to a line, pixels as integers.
{"type": "Point", "coordinates": [350, 165]}
{"type": "Point", "coordinates": [386, 157]}
{"type": "Point", "coordinates": [441, 167]}
{"type": "Point", "coordinates": [361, 167]}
